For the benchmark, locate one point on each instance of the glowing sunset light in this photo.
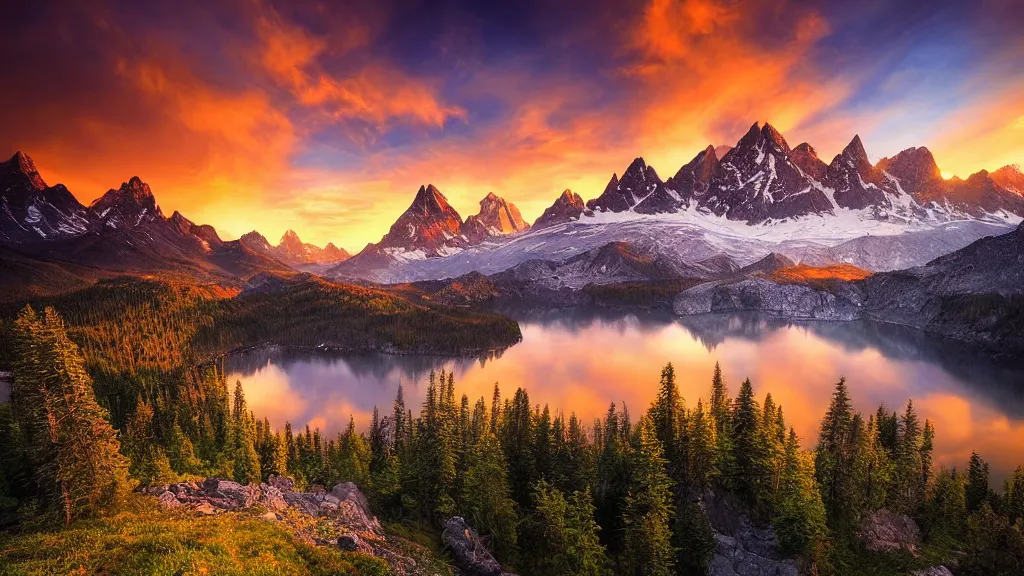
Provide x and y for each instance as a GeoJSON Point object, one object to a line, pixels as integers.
{"type": "Point", "coordinates": [326, 119]}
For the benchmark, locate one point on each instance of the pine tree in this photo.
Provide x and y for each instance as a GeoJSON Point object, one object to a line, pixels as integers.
{"type": "Point", "coordinates": [486, 499]}
{"type": "Point", "coordinates": [87, 467]}
{"type": "Point", "coordinates": [800, 521]}
{"type": "Point", "coordinates": [703, 465]}
{"type": "Point", "coordinates": [976, 492]}
{"type": "Point", "coordinates": [563, 536]}
{"type": "Point", "coordinates": [719, 402]}
{"type": "Point", "coordinates": [748, 451]}
{"type": "Point", "coordinates": [907, 491]}
{"type": "Point", "coordinates": [1014, 495]}
{"type": "Point", "coordinates": [352, 457]}
{"type": "Point", "coordinates": [517, 443]}
{"type": "Point", "coordinates": [148, 461]}
{"type": "Point", "coordinates": [668, 418]}
{"type": "Point", "coordinates": [543, 441]}
{"type": "Point", "coordinates": [247, 460]}
{"type": "Point", "coordinates": [833, 459]}
{"type": "Point", "coordinates": [944, 515]}
{"type": "Point", "coordinates": [693, 538]}
{"type": "Point", "coordinates": [647, 509]}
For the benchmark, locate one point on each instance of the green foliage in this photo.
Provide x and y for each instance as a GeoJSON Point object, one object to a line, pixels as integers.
{"type": "Point", "coordinates": [562, 535]}
{"type": "Point", "coordinates": [76, 455]}
{"type": "Point", "coordinates": [647, 509]}
{"type": "Point", "coordinates": [693, 539]}
{"type": "Point", "coordinates": [549, 494]}
{"type": "Point", "coordinates": [993, 546]}
{"type": "Point", "coordinates": [486, 499]}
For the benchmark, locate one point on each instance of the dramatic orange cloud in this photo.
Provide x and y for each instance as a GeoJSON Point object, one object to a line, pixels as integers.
{"type": "Point", "coordinates": [326, 118]}
{"type": "Point", "coordinates": [375, 93]}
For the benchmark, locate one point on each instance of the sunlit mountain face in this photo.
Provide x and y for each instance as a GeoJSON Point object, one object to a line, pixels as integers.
{"type": "Point", "coordinates": [325, 118]}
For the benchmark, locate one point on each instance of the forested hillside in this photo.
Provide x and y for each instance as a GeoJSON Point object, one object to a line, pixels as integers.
{"type": "Point", "coordinates": [551, 494]}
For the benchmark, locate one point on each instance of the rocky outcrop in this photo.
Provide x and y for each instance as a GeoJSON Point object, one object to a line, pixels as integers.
{"type": "Point", "coordinates": [797, 301]}
{"type": "Point", "coordinates": [468, 551]}
{"type": "Point", "coordinates": [742, 548]}
{"type": "Point", "coordinates": [885, 531]}
{"type": "Point", "coordinates": [342, 516]}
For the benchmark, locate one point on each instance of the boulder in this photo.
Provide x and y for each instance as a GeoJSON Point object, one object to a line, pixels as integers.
{"type": "Point", "coordinates": [470, 555]}
{"type": "Point", "coordinates": [731, 559]}
{"type": "Point", "coordinates": [272, 498]}
{"type": "Point", "coordinates": [885, 531]}
{"type": "Point", "coordinates": [353, 508]}
{"type": "Point", "coordinates": [168, 500]}
{"type": "Point", "coordinates": [230, 495]}
{"type": "Point", "coordinates": [282, 483]}
{"type": "Point", "coordinates": [353, 543]}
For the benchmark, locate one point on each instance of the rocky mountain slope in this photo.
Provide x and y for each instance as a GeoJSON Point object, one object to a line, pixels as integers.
{"type": "Point", "coordinates": [974, 295]}
{"type": "Point", "coordinates": [566, 208]}
{"type": "Point", "coordinates": [496, 218]}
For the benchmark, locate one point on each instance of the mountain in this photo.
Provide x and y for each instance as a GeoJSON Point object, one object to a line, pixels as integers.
{"type": "Point", "coordinates": [567, 207]}
{"type": "Point", "coordinates": [758, 181]}
{"type": "Point", "coordinates": [979, 196]}
{"type": "Point", "coordinates": [637, 182]}
{"type": "Point", "coordinates": [689, 183]}
{"type": "Point", "coordinates": [806, 158]}
{"type": "Point", "coordinates": [130, 206]}
{"type": "Point", "coordinates": [856, 184]}
{"type": "Point", "coordinates": [429, 225]}
{"type": "Point", "coordinates": [31, 211]}
{"type": "Point", "coordinates": [496, 218]}
{"type": "Point", "coordinates": [53, 243]}
{"type": "Point", "coordinates": [1010, 177]}
{"type": "Point", "coordinates": [293, 251]}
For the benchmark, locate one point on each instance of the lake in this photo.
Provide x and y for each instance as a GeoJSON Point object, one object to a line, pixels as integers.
{"type": "Point", "coordinates": [582, 361]}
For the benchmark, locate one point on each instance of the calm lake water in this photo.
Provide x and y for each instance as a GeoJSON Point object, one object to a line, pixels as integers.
{"type": "Point", "coordinates": [582, 361]}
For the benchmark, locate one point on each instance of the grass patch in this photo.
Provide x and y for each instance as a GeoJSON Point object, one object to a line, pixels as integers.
{"type": "Point", "coordinates": [149, 541]}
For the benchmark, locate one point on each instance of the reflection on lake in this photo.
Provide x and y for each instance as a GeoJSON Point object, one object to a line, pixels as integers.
{"type": "Point", "coordinates": [577, 361]}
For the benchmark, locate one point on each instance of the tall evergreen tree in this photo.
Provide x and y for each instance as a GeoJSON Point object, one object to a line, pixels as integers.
{"type": "Point", "coordinates": [486, 498]}
{"type": "Point", "coordinates": [247, 460]}
{"type": "Point", "coordinates": [833, 458]}
{"type": "Point", "coordinates": [747, 478]}
{"type": "Point", "coordinates": [976, 492]}
{"type": "Point", "coordinates": [647, 509]}
{"type": "Point", "coordinates": [87, 468]}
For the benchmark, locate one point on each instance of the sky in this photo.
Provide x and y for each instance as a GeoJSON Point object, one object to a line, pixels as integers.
{"type": "Point", "coordinates": [325, 117]}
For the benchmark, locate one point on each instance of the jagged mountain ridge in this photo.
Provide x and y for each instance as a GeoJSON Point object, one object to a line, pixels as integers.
{"type": "Point", "coordinates": [293, 251]}
{"type": "Point", "coordinates": [122, 232]}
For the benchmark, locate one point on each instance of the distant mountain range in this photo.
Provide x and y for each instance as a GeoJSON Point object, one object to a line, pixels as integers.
{"type": "Point", "coordinates": [124, 231]}
{"type": "Point", "coordinates": [761, 189]}
{"type": "Point", "coordinates": [739, 202]}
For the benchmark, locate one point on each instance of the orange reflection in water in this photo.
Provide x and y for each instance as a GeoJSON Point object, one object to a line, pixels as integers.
{"type": "Point", "coordinates": [583, 363]}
